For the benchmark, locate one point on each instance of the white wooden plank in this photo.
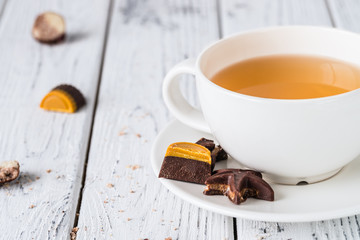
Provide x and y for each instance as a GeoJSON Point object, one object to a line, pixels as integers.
{"type": "Point", "coordinates": [241, 15]}
{"type": "Point", "coordinates": [244, 15]}
{"type": "Point", "coordinates": [345, 14]}
{"type": "Point", "coordinates": [44, 208]}
{"type": "Point", "coordinates": [146, 39]}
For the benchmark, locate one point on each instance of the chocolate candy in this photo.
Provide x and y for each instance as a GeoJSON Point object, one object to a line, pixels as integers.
{"type": "Point", "coordinates": [9, 171]}
{"type": "Point", "coordinates": [209, 144]}
{"type": "Point", "coordinates": [63, 98]}
{"type": "Point", "coordinates": [188, 162]}
{"type": "Point", "coordinates": [217, 153]}
{"type": "Point", "coordinates": [49, 27]}
{"type": "Point", "coordinates": [238, 185]}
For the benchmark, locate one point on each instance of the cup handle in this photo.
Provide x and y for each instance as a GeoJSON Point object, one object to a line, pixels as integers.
{"type": "Point", "coordinates": [176, 102]}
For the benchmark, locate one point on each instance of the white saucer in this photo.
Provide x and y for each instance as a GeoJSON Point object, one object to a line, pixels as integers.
{"type": "Point", "coordinates": [336, 197]}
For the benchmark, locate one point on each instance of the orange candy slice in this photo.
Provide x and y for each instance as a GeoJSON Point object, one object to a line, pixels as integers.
{"type": "Point", "coordinates": [63, 98]}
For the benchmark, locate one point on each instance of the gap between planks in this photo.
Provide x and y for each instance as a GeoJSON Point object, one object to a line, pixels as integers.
{"type": "Point", "coordinates": [108, 22]}
{"type": "Point", "coordinates": [219, 18]}
{"type": "Point", "coordinates": [2, 8]}
{"type": "Point", "coordinates": [331, 16]}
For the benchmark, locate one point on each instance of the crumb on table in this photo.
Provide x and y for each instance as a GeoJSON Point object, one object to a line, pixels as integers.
{"type": "Point", "coordinates": [73, 233]}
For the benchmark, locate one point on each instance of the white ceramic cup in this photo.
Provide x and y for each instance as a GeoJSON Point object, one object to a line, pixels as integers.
{"type": "Point", "coordinates": [288, 140]}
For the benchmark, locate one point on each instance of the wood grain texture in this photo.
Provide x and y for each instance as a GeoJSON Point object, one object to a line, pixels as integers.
{"type": "Point", "coordinates": [241, 15]}
{"type": "Point", "coordinates": [41, 204]}
{"type": "Point", "coordinates": [120, 200]}
{"type": "Point", "coordinates": [244, 15]}
{"type": "Point", "coordinates": [345, 14]}
{"type": "Point", "coordinates": [122, 197]}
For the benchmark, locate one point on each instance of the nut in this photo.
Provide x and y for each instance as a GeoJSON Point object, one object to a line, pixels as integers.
{"type": "Point", "coordinates": [9, 171]}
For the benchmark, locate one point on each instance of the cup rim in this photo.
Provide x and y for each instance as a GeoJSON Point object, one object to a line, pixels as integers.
{"type": "Point", "coordinates": [267, 29]}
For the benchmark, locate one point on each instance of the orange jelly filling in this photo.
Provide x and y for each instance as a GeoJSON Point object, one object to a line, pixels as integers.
{"type": "Point", "coordinates": [58, 100]}
{"type": "Point", "coordinates": [190, 151]}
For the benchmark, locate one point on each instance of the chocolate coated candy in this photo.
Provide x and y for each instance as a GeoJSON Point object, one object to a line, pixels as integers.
{"type": "Point", "coordinates": [188, 162]}
{"type": "Point", "coordinates": [209, 144]}
{"type": "Point", "coordinates": [63, 98]}
{"type": "Point", "coordinates": [49, 27]}
{"type": "Point", "coordinates": [238, 185]}
{"type": "Point", "coordinates": [9, 171]}
{"type": "Point", "coordinates": [75, 93]}
{"type": "Point", "coordinates": [219, 154]}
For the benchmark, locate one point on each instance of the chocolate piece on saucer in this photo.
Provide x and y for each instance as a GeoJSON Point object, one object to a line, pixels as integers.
{"type": "Point", "coordinates": [188, 162]}
{"type": "Point", "coordinates": [209, 144]}
{"type": "Point", "coordinates": [219, 154]}
{"type": "Point", "coordinates": [238, 185]}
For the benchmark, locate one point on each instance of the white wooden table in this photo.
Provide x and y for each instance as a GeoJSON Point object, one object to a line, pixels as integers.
{"type": "Point", "coordinates": [117, 52]}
